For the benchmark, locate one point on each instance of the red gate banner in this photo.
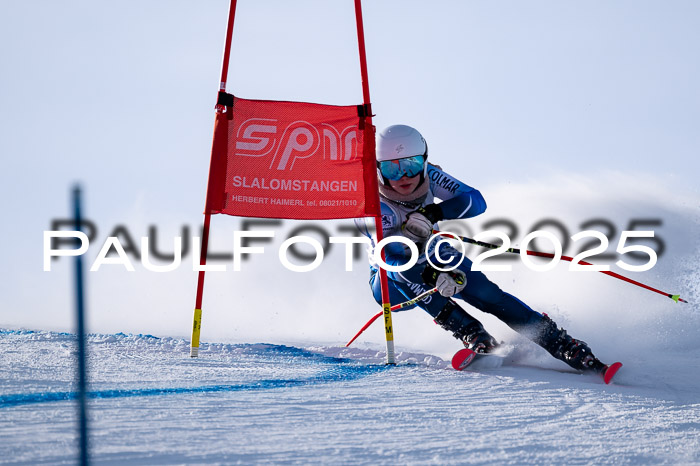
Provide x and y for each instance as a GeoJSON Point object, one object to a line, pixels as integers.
{"type": "Point", "coordinates": [292, 160]}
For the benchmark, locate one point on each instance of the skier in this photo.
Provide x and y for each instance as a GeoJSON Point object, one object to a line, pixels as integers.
{"type": "Point", "coordinates": [408, 186]}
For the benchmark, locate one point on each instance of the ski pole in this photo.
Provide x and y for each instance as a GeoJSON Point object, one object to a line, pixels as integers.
{"type": "Point", "coordinates": [410, 302]}
{"type": "Point", "coordinates": [674, 297]}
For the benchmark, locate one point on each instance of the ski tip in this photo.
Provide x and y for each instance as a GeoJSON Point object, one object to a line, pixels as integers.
{"type": "Point", "coordinates": [462, 359]}
{"type": "Point", "coordinates": [611, 371]}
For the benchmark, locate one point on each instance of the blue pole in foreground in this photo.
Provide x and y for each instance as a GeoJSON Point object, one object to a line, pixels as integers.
{"type": "Point", "coordinates": [82, 353]}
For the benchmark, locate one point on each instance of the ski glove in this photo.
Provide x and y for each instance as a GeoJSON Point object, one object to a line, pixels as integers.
{"type": "Point", "coordinates": [451, 283]}
{"type": "Point", "coordinates": [419, 224]}
{"type": "Point", "coordinates": [448, 283]}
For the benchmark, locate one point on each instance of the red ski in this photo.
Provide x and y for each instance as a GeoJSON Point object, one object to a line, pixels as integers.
{"type": "Point", "coordinates": [466, 357]}
{"type": "Point", "coordinates": [611, 371]}
{"type": "Point", "coordinates": [462, 359]}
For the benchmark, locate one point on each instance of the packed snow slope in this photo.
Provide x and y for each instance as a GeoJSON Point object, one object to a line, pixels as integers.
{"type": "Point", "coordinates": [150, 403]}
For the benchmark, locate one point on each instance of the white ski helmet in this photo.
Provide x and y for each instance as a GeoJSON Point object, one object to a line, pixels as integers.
{"type": "Point", "coordinates": [400, 142]}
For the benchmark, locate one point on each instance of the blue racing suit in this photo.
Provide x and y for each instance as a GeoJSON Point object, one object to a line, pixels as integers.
{"type": "Point", "coordinates": [459, 201]}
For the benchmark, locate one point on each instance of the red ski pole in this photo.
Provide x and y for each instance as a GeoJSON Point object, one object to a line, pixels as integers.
{"type": "Point", "coordinates": [420, 297]}
{"type": "Point", "coordinates": [674, 297]}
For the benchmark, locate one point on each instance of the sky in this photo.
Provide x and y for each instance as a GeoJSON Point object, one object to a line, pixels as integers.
{"type": "Point", "coordinates": [575, 111]}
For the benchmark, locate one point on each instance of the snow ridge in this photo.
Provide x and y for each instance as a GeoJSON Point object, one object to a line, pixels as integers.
{"type": "Point", "coordinates": [331, 368]}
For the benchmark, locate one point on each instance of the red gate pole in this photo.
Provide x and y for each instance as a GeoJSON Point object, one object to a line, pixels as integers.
{"type": "Point", "coordinates": [386, 303]}
{"type": "Point", "coordinates": [197, 324]}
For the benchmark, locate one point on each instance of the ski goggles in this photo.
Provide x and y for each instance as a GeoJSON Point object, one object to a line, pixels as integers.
{"type": "Point", "coordinates": [396, 169]}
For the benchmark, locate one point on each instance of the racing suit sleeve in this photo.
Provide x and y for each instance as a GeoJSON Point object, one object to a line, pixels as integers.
{"type": "Point", "coordinates": [459, 200]}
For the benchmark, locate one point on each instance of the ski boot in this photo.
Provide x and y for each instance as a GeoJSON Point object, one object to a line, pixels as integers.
{"type": "Point", "coordinates": [465, 328]}
{"type": "Point", "coordinates": [575, 353]}
{"type": "Point", "coordinates": [479, 340]}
